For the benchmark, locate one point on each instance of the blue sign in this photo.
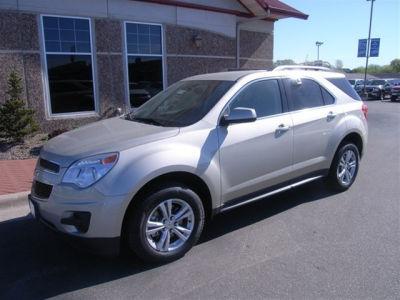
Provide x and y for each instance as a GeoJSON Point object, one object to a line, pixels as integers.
{"type": "Point", "coordinates": [374, 50]}
{"type": "Point", "coordinates": [362, 48]}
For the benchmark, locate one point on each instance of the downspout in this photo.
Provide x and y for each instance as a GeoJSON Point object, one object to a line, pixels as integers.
{"type": "Point", "coordinates": [268, 13]}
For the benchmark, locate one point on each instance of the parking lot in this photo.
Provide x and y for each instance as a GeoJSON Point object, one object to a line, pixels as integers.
{"type": "Point", "coordinates": [306, 243]}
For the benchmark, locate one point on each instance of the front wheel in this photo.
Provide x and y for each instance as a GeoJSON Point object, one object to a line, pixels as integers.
{"type": "Point", "coordinates": [344, 167]}
{"type": "Point", "coordinates": [166, 224]}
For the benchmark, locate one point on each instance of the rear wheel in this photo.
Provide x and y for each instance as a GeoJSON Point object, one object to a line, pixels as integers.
{"type": "Point", "coordinates": [344, 168]}
{"type": "Point", "coordinates": [166, 224]}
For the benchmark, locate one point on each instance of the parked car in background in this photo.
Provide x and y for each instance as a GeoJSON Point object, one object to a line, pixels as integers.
{"type": "Point", "coordinates": [375, 89]}
{"type": "Point", "coordinates": [207, 144]}
{"type": "Point", "coordinates": [394, 89]}
{"type": "Point", "coordinates": [355, 82]}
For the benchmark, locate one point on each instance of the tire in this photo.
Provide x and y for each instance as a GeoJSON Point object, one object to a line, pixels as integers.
{"type": "Point", "coordinates": [393, 99]}
{"type": "Point", "coordinates": [154, 208]}
{"type": "Point", "coordinates": [335, 181]}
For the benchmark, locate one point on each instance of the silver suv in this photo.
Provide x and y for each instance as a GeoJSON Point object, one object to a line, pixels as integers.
{"type": "Point", "coordinates": [207, 144]}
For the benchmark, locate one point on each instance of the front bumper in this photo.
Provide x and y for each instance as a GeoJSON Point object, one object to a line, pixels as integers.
{"type": "Point", "coordinates": [102, 246]}
{"type": "Point", "coordinates": [86, 216]}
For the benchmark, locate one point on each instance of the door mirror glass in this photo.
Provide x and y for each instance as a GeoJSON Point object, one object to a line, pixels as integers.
{"type": "Point", "coordinates": [239, 115]}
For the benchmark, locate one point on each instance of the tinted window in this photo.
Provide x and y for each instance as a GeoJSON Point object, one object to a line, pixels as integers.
{"type": "Point", "coordinates": [264, 96]}
{"type": "Point", "coordinates": [69, 64]}
{"type": "Point", "coordinates": [305, 95]}
{"type": "Point", "coordinates": [328, 98]}
{"type": "Point", "coordinates": [66, 34]}
{"type": "Point", "coordinates": [145, 66]}
{"type": "Point", "coordinates": [182, 104]}
{"type": "Point", "coordinates": [145, 78]}
{"type": "Point", "coordinates": [143, 38]}
{"type": "Point", "coordinates": [343, 84]}
{"type": "Point", "coordinates": [71, 83]}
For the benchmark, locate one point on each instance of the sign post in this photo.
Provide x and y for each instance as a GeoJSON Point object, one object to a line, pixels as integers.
{"type": "Point", "coordinates": [368, 46]}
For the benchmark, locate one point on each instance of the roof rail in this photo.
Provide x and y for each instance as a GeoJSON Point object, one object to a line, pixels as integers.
{"type": "Point", "coordinates": [301, 67]}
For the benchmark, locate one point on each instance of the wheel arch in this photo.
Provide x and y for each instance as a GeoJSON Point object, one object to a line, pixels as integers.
{"type": "Point", "coordinates": [356, 139]}
{"type": "Point", "coordinates": [186, 178]}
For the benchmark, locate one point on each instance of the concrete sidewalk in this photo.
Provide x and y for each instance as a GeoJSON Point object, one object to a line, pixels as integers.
{"type": "Point", "coordinates": [16, 176]}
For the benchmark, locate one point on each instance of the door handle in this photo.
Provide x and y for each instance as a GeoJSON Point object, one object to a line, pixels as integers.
{"type": "Point", "coordinates": [331, 115]}
{"type": "Point", "coordinates": [282, 128]}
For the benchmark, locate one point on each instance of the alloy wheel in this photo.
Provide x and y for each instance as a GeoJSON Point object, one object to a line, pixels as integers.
{"type": "Point", "coordinates": [169, 225]}
{"type": "Point", "coordinates": [347, 167]}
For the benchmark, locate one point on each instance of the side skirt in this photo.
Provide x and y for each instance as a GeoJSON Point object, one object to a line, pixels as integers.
{"type": "Point", "coordinates": [272, 191]}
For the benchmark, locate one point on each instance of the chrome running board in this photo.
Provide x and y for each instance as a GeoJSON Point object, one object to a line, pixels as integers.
{"type": "Point", "coordinates": [277, 191]}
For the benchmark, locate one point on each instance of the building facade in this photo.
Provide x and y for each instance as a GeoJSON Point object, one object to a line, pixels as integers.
{"type": "Point", "coordinates": [81, 60]}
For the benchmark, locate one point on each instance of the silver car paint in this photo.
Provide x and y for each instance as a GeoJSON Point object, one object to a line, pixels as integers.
{"type": "Point", "coordinates": [233, 161]}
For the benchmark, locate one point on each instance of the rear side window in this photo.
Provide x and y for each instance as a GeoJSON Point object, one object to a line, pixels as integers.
{"type": "Point", "coordinates": [306, 94]}
{"type": "Point", "coordinates": [328, 98]}
{"type": "Point", "coordinates": [344, 85]}
{"type": "Point", "coordinates": [263, 96]}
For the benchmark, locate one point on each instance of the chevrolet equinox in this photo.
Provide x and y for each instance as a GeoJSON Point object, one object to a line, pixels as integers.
{"type": "Point", "coordinates": [149, 179]}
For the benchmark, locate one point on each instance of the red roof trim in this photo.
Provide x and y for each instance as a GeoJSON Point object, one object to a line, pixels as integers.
{"type": "Point", "coordinates": [280, 8]}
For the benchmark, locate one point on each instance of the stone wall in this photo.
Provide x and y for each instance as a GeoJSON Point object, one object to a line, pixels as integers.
{"type": "Point", "coordinates": [215, 52]}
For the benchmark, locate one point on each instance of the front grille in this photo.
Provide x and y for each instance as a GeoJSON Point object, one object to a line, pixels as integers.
{"type": "Point", "coordinates": [41, 190]}
{"type": "Point", "coordinates": [48, 165]}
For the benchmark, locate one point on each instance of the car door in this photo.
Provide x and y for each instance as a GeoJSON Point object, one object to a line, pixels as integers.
{"type": "Point", "coordinates": [315, 117]}
{"type": "Point", "coordinates": [256, 155]}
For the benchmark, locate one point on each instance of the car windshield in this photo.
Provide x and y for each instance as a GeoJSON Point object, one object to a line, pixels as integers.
{"type": "Point", "coordinates": [377, 82]}
{"type": "Point", "coordinates": [394, 81]}
{"type": "Point", "coordinates": [182, 104]}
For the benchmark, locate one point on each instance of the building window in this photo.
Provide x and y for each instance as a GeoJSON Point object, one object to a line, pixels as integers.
{"type": "Point", "coordinates": [68, 52]}
{"type": "Point", "coordinates": [144, 60]}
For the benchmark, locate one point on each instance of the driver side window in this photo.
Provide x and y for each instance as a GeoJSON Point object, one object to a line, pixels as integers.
{"type": "Point", "coordinates": [263, 96]}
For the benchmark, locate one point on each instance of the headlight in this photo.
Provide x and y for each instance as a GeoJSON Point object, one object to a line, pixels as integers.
{"type": "Point", "coordinates": [89, 170]}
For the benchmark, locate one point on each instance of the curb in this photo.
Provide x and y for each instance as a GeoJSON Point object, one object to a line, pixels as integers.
{"type": "Point", "coordinates": [14, 200]}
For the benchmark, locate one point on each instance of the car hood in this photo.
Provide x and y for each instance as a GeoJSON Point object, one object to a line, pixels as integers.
{"type": "Point", "coordinates": [110, 135]}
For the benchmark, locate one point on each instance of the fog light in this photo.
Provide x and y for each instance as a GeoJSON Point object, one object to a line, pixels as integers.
{"type": "Point", "coordinates": [79, 219]}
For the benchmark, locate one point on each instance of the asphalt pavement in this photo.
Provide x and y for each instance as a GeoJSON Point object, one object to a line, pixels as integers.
{"type": "Point", "coordinates": [306, 243]}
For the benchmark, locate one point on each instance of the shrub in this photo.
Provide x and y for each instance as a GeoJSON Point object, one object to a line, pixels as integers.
{"type": "Point", "coordinates": [16, 121]}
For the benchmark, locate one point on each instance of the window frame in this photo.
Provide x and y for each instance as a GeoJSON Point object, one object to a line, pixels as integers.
{"type": "Point", "coordinates": [46, 82]}
{"type": "Point", "coordinates": [321, 86]}
{"type": "Point", "coordinates": [285, 107]}
{"type": "Point", "coordinates": [126, 59]}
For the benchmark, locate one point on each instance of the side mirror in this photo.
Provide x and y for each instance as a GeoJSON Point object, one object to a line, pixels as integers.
{"type": "Point", "coordinates": [239, 115]}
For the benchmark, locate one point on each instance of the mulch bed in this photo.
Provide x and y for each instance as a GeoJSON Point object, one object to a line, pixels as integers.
{"type": "Point", "coordinates": [30, 148]}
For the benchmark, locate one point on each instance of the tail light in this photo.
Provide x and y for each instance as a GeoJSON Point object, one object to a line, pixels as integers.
{"type": "Point", "coordinates": [364, 109]}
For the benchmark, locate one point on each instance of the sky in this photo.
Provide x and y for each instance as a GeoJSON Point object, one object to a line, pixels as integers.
{"type": "Point", "coordinates": [339, 24]}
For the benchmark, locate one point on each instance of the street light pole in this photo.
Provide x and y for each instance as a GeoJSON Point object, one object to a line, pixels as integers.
{"type": "Point", "coordinates": [318, 44]}
{"type": "Point", "coordinates": [368, 45]}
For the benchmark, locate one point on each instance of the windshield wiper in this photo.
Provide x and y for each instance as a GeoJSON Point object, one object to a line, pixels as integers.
{"type": "Point", "coordinates": [146, 121]}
